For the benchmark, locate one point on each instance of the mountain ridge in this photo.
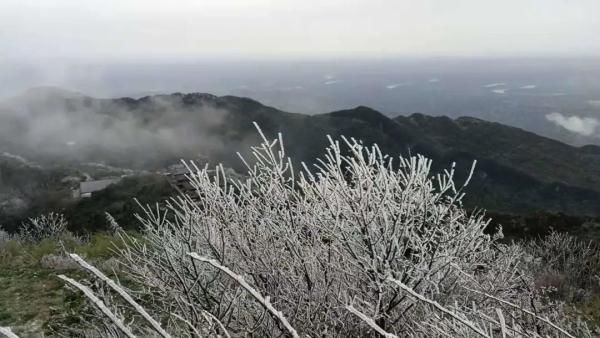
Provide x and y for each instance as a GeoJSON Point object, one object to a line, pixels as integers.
{"type": "Point", "coordinates": [518, 171]}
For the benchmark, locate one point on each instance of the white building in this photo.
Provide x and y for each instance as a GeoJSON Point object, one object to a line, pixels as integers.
{"type": "Point", "coordinates": [87, 188]}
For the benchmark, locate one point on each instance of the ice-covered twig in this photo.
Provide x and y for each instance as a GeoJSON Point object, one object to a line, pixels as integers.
{"type": "Point", "coordinates": [7, 332]}
{"type": "Point", "coordinates": [369, 321]}
{"type": "Point", "coordinates": [99, 304]}
{"type": "Point", "coordinates": [435, 304]}
{"type": "Point", "coordinates": [157, 327]}
{"type": "Point", "coordinates": [520, 308]}
{"type": "Point", "coordinates": [240, 280]}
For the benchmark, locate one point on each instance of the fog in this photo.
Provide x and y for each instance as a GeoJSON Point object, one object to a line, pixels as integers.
{"type": "Point", "coordinates": [51, 124]}
{"type": "Point", "coordinates": [531, 89]}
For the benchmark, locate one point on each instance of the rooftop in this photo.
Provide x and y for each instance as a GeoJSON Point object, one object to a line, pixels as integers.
{"type": "Point", "coordinates": [92, 186]}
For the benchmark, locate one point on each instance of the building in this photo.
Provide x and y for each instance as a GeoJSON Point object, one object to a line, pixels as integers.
{"type": "Point", "coordinates": [177, 178]}
{"type": "Point", "coordinates": [87, 188]}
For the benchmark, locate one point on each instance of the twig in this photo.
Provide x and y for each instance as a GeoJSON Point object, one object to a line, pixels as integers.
{"type": "Point", "coordinates": [502, 322]}
{"type": "Point", "coordinates": [438, 306]}
{"type": "Point", "coordinates": [187, 322]}
{"type": "Point", "coordinates": [545, 320]}
{"type": "Point", "coordinates": [264, 301]}
{"type": "Point", "coordinates": [100, 304]}
{"type": "Point", "coordinates": [210, 315]}
{"type": "Point", "coordinates": [369, 321]}
{"type": "Point", "coordinates": [123, 294]}
{"type": "Point", "coordinates": [6, 331]}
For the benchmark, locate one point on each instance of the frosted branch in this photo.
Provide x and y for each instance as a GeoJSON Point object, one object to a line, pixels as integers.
{"type": "Point", "coordinates": [240, 280]}
{"type": "Point", "coordinates": [99, 304]}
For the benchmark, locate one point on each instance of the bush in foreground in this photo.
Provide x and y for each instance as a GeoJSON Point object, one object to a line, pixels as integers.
{"type": "Point", "coordinates": [358, 246]}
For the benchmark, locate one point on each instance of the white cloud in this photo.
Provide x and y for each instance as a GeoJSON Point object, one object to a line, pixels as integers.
{"type": "Point", "coordinates": [396, 85]}
{"type": "Point", "coordinates": [585, 126]}
{"type": "Point", "coordinates": [492, 85]}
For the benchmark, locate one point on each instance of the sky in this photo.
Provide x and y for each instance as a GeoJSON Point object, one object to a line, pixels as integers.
{"type": "Point", "coordinates": [245, 29]}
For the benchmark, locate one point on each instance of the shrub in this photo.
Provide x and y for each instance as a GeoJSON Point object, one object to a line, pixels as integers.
{"type": "Point", "coordinates": [359, 245]}
{"type": "Point", "coordinates": [567, 263]}
{"type": "Point", "coordinates": [51, 225]}
{"type": "Point", "coordinates": [4, 235]}
{"type": "Point", "coordinates": [9, 249]}
{"type": "Point", "coordinates": [57, 262]}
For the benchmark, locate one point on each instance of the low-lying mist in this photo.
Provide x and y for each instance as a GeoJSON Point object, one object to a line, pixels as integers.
{"type": "Point", "coordinates": [52, 125]}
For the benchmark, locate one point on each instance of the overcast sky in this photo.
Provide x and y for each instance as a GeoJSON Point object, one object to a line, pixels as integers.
{"type": "Point", "coordinates": [175, 29]}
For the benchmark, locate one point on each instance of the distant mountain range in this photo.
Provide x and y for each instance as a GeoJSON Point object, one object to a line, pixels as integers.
{"type": "Point", "coordinates": [518, 171]}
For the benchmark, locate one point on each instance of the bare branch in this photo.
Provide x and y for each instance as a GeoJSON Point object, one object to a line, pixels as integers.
{"type": "Point", "coordinates": [123, 294]}
{"type": "Point", "coordinates": [439, 307]}
{"type": "Point", "coordinates": [7, 332]}
{"type": "Point", "coordinates": [520, 308]}
{"type": "Point", "coordinates": [221, 326]}
{"type": "Point", "coordinates": [99, 304]}
{"type": "Point", "coordinates": [369, 321]}
{"type": "Point", "coordinates": [240, 280]}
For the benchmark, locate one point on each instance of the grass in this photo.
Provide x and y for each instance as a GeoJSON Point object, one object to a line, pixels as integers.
{"type": "Point", "coordinates": [31, 294]}
{"type": "Point", "coordinates": [28, 295]}
{"type": "Point", "coordinates": [590, 309]}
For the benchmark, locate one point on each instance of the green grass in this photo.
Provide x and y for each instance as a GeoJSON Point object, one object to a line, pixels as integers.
{"type": "Point", "coordinates": [590, 309]}
{"type": "Point", "coordinates": [28, 295]}
{"type": "Point", "coordinates": [32, 295]}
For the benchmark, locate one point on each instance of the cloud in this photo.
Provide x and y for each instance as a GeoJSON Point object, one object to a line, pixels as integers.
{"type": "Point", "coordinates": [396, 85]}
{"type": "Point", "coordinates": [45, 123]}
{"type": "Point", "coordinates": [585, 126]}
{"type": "Point", "coordinates": [492, 85]}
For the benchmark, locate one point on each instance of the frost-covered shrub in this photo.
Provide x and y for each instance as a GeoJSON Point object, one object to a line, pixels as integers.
{"type": "Point", "coordinates": [51, 225]}
{"type": "Point", "coordinates": [567, 265]}
{"type": "Point", "coordinates": [4, 235]}
{"type": "Point", "coordinates": [57, 262]}
{"type": "Point", "coordinates": [359, 245]}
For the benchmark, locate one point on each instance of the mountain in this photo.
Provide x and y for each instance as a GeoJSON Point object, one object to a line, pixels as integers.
{"type": "Point", "coordinates": [540, 157]}
{"type": "Point", "coordinates": [518, 172]}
